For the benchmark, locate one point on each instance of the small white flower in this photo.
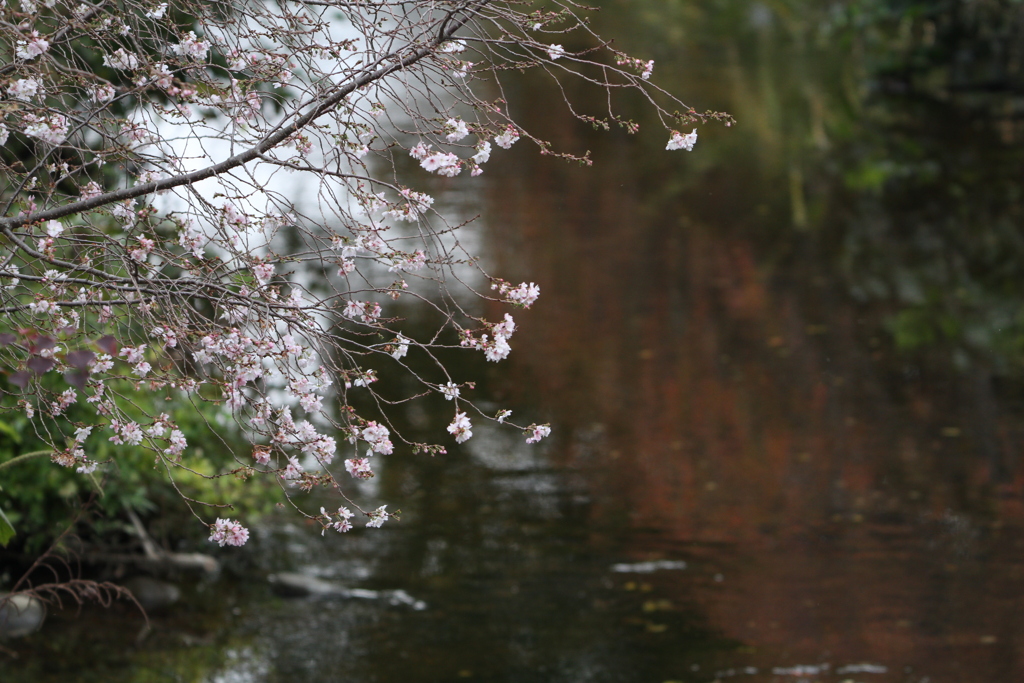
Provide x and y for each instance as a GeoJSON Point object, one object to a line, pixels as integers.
{"type": "Point", "coordinates": [32, 47]}
{"type": "Point", "coordinates": [42, 307]}
{"type": "Point", "coordinates": [450, 391]}
{"type": "Point", "coordinates": [378, 517]}
{"type": "Point", "coordinates": [456, 130]}
{"type": "Point", "coordinates": [401, 347]}
{"type": "Point", "coordinates": [103, 93]}
{"type": "Point", "coordinates": [508, 138]}
{"type": "Point", "coordinates": [121, 60]}
{"type": "Point", "coordinates": [24, 88]}
{"type": "Point", "coordinates": [483, 153]}
{"type": "Point", "coordinates": [442, 164]}
{"type": "Point", "coordinates": [680, 141]}
{"type": "Point", "coordinates": [191, 47]}
{"type": "Point", "coordinates": [524, 295]}
{"type": "Point", "coordinates": [86, 468]}
{"type": "Point", "coordinates": [461, 428]}
{"type": "Point", "coordinates": [53, 130]}
{"type": "Point", "coordinates": [453, 46]}
{"type": "Point", "coordinates": [420, 151]}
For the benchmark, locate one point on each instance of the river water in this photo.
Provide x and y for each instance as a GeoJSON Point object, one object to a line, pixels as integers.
{"type": "Point", "coordinates": [783, 374]}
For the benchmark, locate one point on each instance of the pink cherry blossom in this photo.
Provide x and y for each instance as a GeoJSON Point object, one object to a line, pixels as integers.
{"type": "Point", "coordinates": [24, 88]}
{"type": "Point", "coordinates": [31, 47]}
{"type": "Point", "coordinates": [228, 532]}
{"type": "Point", "coordinates": [358, 468]}
{"type": "Point", "coordinates": [538, 432]}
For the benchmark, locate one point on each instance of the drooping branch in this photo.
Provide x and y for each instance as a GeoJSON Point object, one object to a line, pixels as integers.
{"type": "Point", "coordinates": [257, 307]}
{"type": "Point", "coordinates": [368, 76]}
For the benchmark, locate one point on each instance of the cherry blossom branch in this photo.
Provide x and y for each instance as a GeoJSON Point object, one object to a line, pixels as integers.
{"type": "Point", "coordinates": [267, 143]}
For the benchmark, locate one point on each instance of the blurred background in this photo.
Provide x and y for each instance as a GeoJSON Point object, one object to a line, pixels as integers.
{"type": "Point", "coordinates": [784, 374]}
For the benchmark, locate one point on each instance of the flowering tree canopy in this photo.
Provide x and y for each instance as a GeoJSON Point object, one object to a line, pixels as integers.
{"type": "Point", "coordinates": [148, 247]}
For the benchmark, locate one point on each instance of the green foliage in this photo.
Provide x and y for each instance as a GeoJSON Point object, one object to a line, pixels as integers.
{"type": "Point", "coordinates": [891, 124]}
{"type": "Point", "coordinates": [6, 529]}
{"type": "Point", "coordinates": [42, 498]}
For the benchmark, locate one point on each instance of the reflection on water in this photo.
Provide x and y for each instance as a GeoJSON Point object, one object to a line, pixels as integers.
{"type": "Point", "coordinates": [798, 350]}
{"type": "Point", "coordinates": [784, 374]}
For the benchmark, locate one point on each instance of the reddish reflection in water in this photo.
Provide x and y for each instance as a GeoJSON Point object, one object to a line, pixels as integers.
{"type": "Point", "coordinates": [861, 505]}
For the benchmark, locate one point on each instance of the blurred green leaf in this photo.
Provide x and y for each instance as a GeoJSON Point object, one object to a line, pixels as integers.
{"type": "Point", "coordinates": [6, 529]}
{"type": "Point", "coordinates": [10, 431]}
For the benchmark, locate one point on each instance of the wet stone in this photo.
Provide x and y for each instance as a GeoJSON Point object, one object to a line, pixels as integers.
{"type": "Point", "coordinates": [153, 594]}
{"type": "Point", "coordinates": [20, 615]}
{"type": "Point", "coordinates": [296, 585]}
